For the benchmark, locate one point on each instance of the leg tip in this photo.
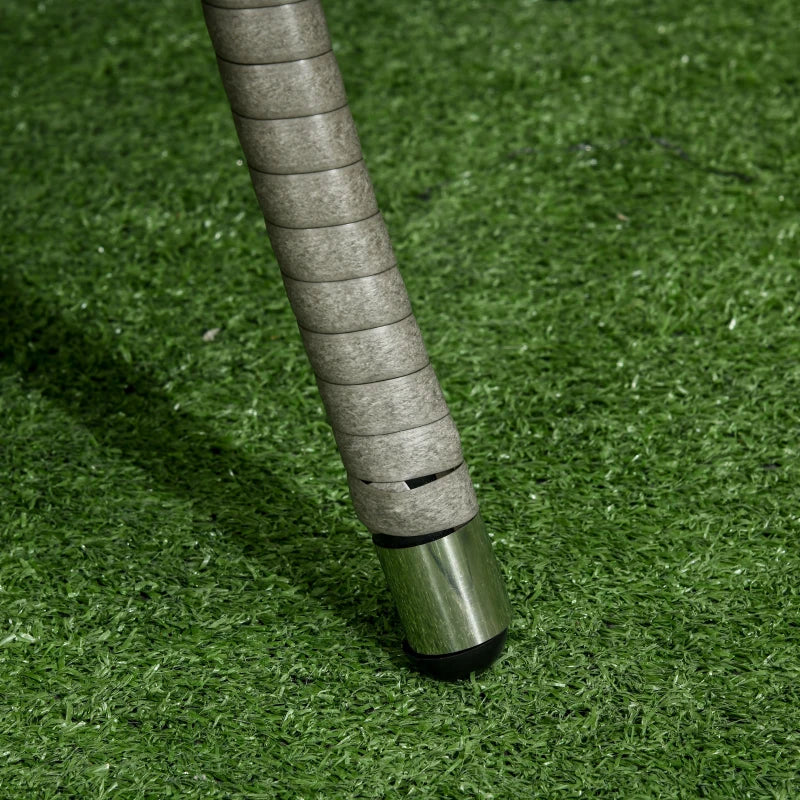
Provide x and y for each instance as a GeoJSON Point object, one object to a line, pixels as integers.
{"type": "Point", "coordinates": [460, 665]}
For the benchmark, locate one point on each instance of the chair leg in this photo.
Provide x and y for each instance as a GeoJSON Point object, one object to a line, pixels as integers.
{"type": "Point", "coordinates": [406, 471]}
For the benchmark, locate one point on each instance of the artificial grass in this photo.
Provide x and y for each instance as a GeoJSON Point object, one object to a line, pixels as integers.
{"type": "Point", "coordinates": [594, 204]}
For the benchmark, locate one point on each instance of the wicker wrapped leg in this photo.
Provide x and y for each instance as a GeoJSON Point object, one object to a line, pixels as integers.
{"type": "Point", "coordinates": [407, 476]}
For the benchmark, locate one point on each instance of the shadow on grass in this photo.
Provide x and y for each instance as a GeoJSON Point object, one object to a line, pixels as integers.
{"type": "Point", "coordinates": [128, 412]}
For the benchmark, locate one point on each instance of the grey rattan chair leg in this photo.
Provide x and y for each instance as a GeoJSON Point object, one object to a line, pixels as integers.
{"type": "Point", "coordinates": [407, 475]}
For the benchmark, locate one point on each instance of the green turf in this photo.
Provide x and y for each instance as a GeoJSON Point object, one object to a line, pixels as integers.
{"type": "Point", "coordinates": [595, 206]}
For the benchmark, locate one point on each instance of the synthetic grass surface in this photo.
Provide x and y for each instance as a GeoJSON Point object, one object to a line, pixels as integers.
{"type": "Point", "coordinates": [595, 208]}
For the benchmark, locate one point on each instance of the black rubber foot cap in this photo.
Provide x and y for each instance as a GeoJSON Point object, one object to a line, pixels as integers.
{"type": "Point", "coordinates": [456, 666]}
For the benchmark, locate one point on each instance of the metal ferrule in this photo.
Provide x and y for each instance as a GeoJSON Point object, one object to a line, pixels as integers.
{"type": "Point", "coordinates": [449, 592]}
